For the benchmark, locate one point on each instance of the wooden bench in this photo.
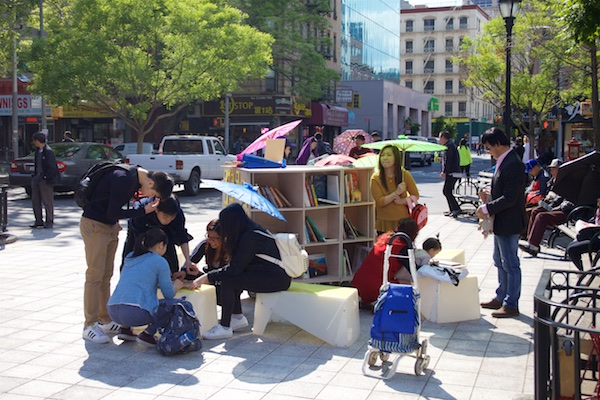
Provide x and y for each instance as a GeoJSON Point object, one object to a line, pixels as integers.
{"type": "Point", "coordinates": [327, 312]}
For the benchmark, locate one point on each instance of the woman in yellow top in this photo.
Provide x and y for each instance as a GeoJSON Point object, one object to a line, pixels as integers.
{"type": "Point", "coordinates": [390, 187]}
{"type": "Point", "coordinates": [464, 155]}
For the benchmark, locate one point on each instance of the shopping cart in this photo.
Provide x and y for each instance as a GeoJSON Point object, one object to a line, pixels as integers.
{"type": "Point", "coordinates": [397, 321]}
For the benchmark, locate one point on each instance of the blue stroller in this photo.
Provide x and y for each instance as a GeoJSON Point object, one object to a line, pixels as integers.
{"type": "Point", "coordinates": [397, 321]}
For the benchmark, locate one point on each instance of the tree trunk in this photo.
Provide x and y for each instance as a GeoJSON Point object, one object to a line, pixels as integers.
{"type": "Point", "coordinates": [595, 102]}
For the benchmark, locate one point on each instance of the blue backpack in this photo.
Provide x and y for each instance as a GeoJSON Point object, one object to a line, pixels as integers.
{"type": "Point", "coordinates": [178, 326]}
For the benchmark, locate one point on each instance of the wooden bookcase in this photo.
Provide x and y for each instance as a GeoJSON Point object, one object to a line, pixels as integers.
{"type": "Point", "coordinates": [328, 218]}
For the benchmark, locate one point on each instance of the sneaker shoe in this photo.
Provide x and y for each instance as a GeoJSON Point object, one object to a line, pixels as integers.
{"type": "Point", "coordinates": [238, 323]}
{"type": "Point", "coordinates": [37, 226]}
{"type": "Point", "coordinates": [146, 339]}
{"type": "Point", "coordinates": [126, 334]}
{"type": "Point", "coordinates": [95, 334]}
{"type": "Point", "coordinates": [110, 328]}
{"type": "Point", "coordinates": [218, 332]}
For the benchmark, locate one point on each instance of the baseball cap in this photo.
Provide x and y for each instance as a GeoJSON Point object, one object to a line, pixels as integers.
{"type": "Point", "coordinates": [555, 163]}
{"type": "Point", "coordinates": [529, 165]}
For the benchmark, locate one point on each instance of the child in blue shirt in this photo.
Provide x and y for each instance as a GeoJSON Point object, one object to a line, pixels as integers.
{"type": "Point", "coordinates": [134, 301]}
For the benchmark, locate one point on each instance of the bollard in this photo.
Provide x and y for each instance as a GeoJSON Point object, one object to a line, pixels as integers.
{"type": "Point", "coordinates": [3, 207]}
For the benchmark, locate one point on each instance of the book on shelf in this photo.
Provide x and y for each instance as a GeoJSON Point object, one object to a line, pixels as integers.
{"type": "Point", "coordinates": [273, 198]}
{"type": "Point", "coordinates": [320, 183]}
{"type": "Point", "coordinates": [311, 233]}
{"type": "Point", "coordinates": [352, 193]}
{"type": "Point", "coordinates": [317, 265]}
{"type": "Point", "coordinates": [284, 200]}
{"type": "Point", "coordinates": [347, 271]}
{"type": "Point", "coordinates": [350, 231]}
{"type": "Point", "coordinates": [327, 201]}
{"type": "Point", "coordinates": [333, 188]}
{"type": "Point", "coordinates": [305, 195]}
{"type": "Point", "coordinates": [314, 194]}
{"type": "Point", "coordinates": [320, 237]}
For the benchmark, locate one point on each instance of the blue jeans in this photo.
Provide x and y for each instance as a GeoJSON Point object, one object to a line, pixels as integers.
{"type": "Point", "coordinates": [509, 269]}
{"type": "Point", "coordinates": [129, 315]}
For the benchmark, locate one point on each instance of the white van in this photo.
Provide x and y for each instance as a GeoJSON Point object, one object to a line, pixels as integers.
{"type": "Point", "coordinates": [131, 148]}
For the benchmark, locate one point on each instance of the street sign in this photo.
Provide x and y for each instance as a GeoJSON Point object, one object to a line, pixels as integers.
{"type": "Point", "coordinates": [343, 96]}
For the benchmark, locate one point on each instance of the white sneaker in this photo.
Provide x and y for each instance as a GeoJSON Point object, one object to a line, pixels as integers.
{"type": "Point", "coordinates": [110, 328]}
{"type": "Point", "coordinates": [95, 334]}
{"type": "Point", "coordinates": [218, 332]}
{"type": "Point", "coordinates": [238, 323]}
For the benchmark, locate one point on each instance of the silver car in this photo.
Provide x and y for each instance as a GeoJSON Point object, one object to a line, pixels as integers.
{"type": "Point", "coordinates": [73, 160]}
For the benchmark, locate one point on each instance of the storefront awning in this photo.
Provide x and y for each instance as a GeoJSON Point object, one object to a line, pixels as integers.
{"type": "Point", "coordinates": [325, 114]}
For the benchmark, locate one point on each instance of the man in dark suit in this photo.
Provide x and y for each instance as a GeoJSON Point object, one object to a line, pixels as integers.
{"type": "Point", "coordinates": [42, 183]}
{"type": "Point", "coordinates": [507, 205]}
{"type": "Point", "coordinates": [450, 172]}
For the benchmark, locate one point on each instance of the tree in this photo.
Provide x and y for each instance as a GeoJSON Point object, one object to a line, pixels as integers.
{"type": "Point", "coordinates": [580, 18]}
{"type": "Point", "coordinates": [535, 70]}
{"type": "Point", "coordinates": [299, 47]}
{"type": "Point", "coordinates": [145, 61]}
{"type": "Point", "coordinates": [13, 14]}
{"type": "Point", "coordinates": [445, 124]}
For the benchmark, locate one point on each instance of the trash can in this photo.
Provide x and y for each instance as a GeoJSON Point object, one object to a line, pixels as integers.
{"type": "Point", "coordinates": [3, 207]}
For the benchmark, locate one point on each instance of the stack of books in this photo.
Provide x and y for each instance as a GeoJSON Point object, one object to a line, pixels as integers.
{"type": "Point", "coordinates": [313, 234]}
{"type": "Point", "coordinates": [275, 196]}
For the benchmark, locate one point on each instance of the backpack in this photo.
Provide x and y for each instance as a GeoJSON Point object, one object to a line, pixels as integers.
{"type": "Point", "coordinates": [178, 326]}
{"type": "Point", "coordinates": [419, 214]}
{"type": "Point", "coordinates": [90, 179]}
{"type": "Point", "coordinates": [294, 260]}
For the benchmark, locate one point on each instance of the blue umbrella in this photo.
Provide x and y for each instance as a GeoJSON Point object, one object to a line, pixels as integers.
{"type": "Point", "coordinates": [246, 194]}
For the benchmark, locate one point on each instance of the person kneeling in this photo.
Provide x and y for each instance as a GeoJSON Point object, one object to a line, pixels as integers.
{"type": "Point", "coordinates": [134, 300]}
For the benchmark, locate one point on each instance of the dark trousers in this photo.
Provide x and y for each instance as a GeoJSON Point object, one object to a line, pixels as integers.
{"type": "Point", "coordinates": [539, 220]}
{"type": "Point", "coordinates": [448, 190]}
{"type": "Point", "coordinates": [466, 169]}
{"type": "Point", "coordinates": [42, 193]}
{"type": "Point", "coordinates": [266, 280]}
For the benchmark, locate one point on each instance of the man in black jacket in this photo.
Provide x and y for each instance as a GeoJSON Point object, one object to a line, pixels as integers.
{"type": "Point", "coordinates": [450, 172]}
{"type": "Point", "coordinates": [508, 208]}
{"type": "Point", "coordinates": [42, 183]}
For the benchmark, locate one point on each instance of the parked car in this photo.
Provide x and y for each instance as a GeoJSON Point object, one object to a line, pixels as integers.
{"type": "Point", "coordinates": [73, 160]}
{"type": "Point", "coordinates": [420, 157]}
{"type": "Point", "coordinates": [131, 148]}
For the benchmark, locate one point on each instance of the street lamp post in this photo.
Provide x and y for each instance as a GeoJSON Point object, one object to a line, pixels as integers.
{"type": "Point", "coordinates": [509, 10]}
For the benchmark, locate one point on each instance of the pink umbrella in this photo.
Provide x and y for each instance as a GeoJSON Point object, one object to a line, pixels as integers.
{"type": "Point", "coordinates": [335, 159]}
{"type": "Point", "coordinates": [271, 134]}
{"type": "Point", "coordinates": [344, 142]}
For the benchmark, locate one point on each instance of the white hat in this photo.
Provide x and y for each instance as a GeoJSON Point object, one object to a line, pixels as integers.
{"type": "Point", "coordinates": [555, 163]}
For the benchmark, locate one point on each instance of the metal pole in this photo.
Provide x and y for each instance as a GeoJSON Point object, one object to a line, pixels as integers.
{"type": "Point", "coordinates": [15, 97]}
{"type": "Point", "coordinates": [44, 122]}
{"type": "Point", "coordinates": [507, 114]}
{"type": "Point", "coordinates": [227, 96]}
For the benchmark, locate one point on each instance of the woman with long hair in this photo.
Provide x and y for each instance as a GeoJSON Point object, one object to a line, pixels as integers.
{"type": "Point", "coordinates": [391, 187]}
{"type": "Point", "coordinates": [243, 239]}
{"type": "Point", "coordinates": [134, 300]}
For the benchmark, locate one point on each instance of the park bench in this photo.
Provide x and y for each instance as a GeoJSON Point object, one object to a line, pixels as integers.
{"type": "Point", "coordinates": [467, 190]}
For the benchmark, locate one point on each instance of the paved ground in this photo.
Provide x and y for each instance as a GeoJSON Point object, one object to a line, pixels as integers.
{"type": "Point", "coordinates": [43, 356]}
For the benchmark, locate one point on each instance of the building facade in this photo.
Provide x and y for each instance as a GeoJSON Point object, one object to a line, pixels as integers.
{"type": "Point", "coordinates": [431, 37]}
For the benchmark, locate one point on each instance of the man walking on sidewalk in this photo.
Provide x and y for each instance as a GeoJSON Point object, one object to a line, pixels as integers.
{"type": "Point", "coordinates": [508, 208]}
{"type": "Point", "coordinates": [450, 172]}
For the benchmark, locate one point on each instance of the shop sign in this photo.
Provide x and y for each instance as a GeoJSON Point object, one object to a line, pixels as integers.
{"type": "Point", "coordinates": [343, 96]}
{"type": "Point", "coordinates": [26, 105]}
{"type": "Point", "coordinates": [254, 106]}
{"type": "Point", "coordinates": [85, 111]}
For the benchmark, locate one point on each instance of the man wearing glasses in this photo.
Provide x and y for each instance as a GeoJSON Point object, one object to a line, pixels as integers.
{"type": "Point", "coordinates": [507, 205]}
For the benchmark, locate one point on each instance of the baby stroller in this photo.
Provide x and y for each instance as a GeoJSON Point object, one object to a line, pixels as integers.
{"type": "Point", "coordinates": [397, 321]}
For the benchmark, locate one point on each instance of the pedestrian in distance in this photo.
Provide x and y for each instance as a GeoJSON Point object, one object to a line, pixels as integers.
{"type": "Point", "coordinates": [358, 150]}
{"type": "Point", "coordinates": [465, 159]}
{"type": "Point", "coordinates": [323, 147]}
{"type": "Point", "coordinates": [134, 301]}
{"type": "Point", "coordinates": [45, 175]}
{"type": "Point", "coordinates": [99, 227]}
{"type": "Point", "coordinates": [245, 271]}
{"type": "Point", "coordinates": [507, 205]}
{"type": "Point", "coordinates": [68, 137]}
{"type": "Point", "coordinates": [450, 172]}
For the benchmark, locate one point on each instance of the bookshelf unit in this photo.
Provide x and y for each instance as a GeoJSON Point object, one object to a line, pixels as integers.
{"type": "Point", "coordinates": [328, 216]}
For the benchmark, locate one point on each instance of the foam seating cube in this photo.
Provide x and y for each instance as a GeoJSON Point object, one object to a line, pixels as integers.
{"type": "Point", "coordinates": [327, 312]}
{"type": "Point", "coordinates": [443, 302]}
{"type": "Point", "coordinates": [204, 301]}
{"type": "Point", "coordinates": [454, 255]}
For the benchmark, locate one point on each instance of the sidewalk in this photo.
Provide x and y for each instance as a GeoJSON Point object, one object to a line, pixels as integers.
{"type": "Point", "coordinates": [43, 355]}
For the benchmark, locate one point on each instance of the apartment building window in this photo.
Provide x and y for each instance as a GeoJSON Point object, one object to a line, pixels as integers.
{"type": "Point", "coordinates": [449, 84]}
{"type": "Point", "coordinates": [462, 108]}
{"type": "Point", "coordinates": [464, 22]}
{"type": "Point", "coordinates": [429, 67]}
{"type": "Point", "coordinates": [334, 47]}
{"type": "Point", "coordinates": [429, 24]}
{"type": "Point", "coordinates": [461, 88]}
{"type": "Point", "coordinates": [449, 67]}
{"type": "Point", "coordinates": [450, 24]}
{"type": "Point", "coordinates": [271, 81]}
{"type": "Point", "coordinates": [448, 109]}
{"type": "Point", "coordinates": [408, 84]}
{"type": "Point", "coordinates": [409, 67]}
{"type": "Point", "coordinates": [409, 25]}
{"type": "Point", "coordinates": [429, 46]}
{"type": "Point", "coordinates": [450, 44]}
{"type": "Point", "coordinates": [409, 46]}
{"type": "Point", "coordinates": [429, 87]}
{"type": "Point", "coordinates": [334, 9]}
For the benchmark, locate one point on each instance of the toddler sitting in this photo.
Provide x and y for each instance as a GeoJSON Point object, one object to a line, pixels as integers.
{"type": "Point", "coordinates": [431, 247]}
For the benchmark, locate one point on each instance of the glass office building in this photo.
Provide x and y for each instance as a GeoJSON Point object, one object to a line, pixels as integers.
{"type": "Point", "coordinates": [370, 40]}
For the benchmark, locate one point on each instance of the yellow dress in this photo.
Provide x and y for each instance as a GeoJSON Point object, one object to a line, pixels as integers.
{"type": "Point", "coordinates": [388, 216]}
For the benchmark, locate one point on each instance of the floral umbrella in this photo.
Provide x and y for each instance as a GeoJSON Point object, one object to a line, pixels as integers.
{"type": "Point", "coordinates": [271, 134]}
{"type": "Point", "coordinates": [344, 142]}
